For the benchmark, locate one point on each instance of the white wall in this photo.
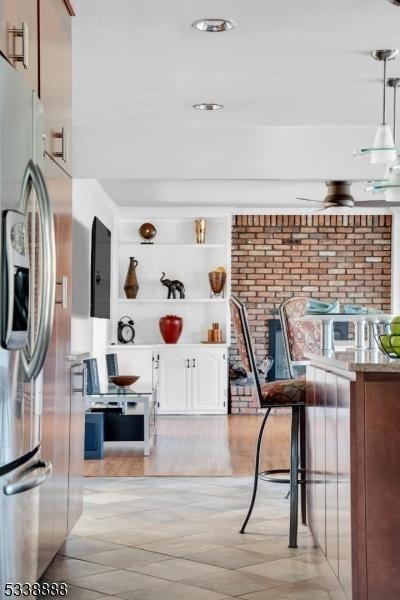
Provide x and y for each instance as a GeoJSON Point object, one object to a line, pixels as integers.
{"type": "Point", "coordinates": [88, 334]}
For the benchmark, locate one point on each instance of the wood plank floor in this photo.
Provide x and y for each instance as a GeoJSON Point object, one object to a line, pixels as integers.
{"type": "Point", "coordinates": [199, 446]}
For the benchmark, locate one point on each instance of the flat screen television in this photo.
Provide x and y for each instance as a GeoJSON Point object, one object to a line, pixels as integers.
{"type": "Point", "coordinates": [100, 271]}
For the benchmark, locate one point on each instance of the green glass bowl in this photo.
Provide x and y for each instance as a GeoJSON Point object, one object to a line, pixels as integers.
{"type": "Point", "coordinates": [387, 338]}
{"type": "Point", "coordinates": [390, 345]}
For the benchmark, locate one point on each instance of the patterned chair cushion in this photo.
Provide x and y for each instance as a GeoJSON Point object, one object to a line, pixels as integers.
{"type": "Point", "coordinates": [304, 336]}
{"type": "Point", "coordinates": [284, 393]}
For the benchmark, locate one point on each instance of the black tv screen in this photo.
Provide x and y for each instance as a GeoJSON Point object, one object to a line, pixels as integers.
{"type": "Point", "coordinates": [100, 271]}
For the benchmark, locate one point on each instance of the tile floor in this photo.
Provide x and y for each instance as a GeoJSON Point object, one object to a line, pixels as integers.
{"type": "Point", "coordinates": [177, 539]}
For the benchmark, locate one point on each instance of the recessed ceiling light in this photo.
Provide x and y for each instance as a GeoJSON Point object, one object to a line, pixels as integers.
{"type": "Point", "coordinates": [208, 106]}
{"type": "Point", "coordinates": [396, 2]}
{"type": "Point", "coordinates": [214, 25]}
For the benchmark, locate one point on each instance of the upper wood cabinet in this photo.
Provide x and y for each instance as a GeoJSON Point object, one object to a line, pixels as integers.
{"type": "Point", "coordinates": [55, 88]}
{"type": "Point", "coordinates": [19, 37]}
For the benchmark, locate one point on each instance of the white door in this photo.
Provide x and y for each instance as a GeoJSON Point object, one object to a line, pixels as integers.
{"type": "Point", "coordinates": [174, 382]}
{"type": "Point", "coordinates": [209, 380]}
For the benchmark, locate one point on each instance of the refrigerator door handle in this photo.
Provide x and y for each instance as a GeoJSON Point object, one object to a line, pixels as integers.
{"type": "Point", "coordinates": [33, 476]}
{"type": "Point", "coordinates": [33, 360]}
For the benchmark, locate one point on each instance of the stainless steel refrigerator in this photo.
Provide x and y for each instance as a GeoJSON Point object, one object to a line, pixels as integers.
{"type": "Point", "coordinates": [27, 288]}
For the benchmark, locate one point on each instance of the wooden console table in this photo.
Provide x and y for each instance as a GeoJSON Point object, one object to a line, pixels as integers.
{"type": "Point", "coordinates": [353, 467]}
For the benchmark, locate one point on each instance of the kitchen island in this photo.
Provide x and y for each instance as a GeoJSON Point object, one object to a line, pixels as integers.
{"type": "Point", "coordinates": [353, 469]}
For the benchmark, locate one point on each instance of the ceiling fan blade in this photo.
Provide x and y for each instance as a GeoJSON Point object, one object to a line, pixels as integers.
{"type": "Point", "coordinates": [310, 200]}
{"type": "Point", "coordinates": [318, 210]}
{"type": "Point", "coordinates": [376, 203]}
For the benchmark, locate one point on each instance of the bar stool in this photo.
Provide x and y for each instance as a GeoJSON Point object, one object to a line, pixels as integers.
{"type": "Point", "coordinates": [290, 393]}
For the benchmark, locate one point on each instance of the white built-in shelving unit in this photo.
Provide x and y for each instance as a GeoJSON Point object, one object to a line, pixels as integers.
{"type": "Point", "coordinates": [176, 253]}
{"type": "Point", "coordinates": [191, 376]}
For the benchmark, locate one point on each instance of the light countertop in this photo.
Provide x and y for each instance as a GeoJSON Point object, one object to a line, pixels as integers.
{"type": "Point", "coordinates": [366, 361]}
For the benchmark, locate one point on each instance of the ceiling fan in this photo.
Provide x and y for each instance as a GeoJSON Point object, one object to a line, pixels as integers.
{"type": "Point", "coordinates": [339, 196]}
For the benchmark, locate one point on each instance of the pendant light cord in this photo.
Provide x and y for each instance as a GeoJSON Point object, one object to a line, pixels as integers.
{"type": "Point", "coordinates": [394, 112]}
{"type": "Point", "coordinates": [384, 92]}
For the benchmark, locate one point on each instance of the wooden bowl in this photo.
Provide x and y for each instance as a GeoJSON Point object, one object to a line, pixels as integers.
{"type": "Point", "coordinates": [124, 380]}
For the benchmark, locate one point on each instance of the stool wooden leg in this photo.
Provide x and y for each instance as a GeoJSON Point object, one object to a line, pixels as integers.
{"type": "Point", "coordinates": [294, 475]}
{"type": "Point", "coordinates": [256, 472]}
{"type": "Point", "coordinates": [303, 495]}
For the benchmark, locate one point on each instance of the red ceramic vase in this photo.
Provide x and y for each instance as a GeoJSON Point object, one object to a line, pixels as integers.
{"type": "Point", "coordinates": [171, 328]}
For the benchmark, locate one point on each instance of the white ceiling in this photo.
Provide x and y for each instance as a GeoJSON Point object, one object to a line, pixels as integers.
{"type": "Point", "coordinates": [233, 194]}
{"type": "Point", "coordinates": [299, 88]}
{"type": "Point", "coordinates": [140, 63]}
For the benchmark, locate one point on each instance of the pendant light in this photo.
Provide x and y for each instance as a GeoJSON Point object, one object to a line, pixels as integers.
{"type": "Point", "coordinates": [390, 184]}
{"type": "Point", "coordinates": [392, 174]}
{"type": "Point", "coordinates": [383, 150]}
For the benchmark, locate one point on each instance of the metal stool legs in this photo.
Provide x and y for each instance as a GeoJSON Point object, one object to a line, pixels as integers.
{"type": "Point", "coordinates": [294, 477]}
{"type": "Point", "coordinates": [256, 472]}
{"type": "Point", "coordinates": [294, 470]}
{"type": "Point", "coordinates": [303, 466]}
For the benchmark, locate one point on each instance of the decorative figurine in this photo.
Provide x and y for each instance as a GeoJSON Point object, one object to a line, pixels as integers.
{"type": "Point", "coordinates": [147, 232]}
{"type": "Point", "coordinates": [173, 286]}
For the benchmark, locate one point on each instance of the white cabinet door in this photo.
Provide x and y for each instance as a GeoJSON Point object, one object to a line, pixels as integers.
{"type": "Point", "coordinates": [209, 380]}
{"type": "Point", "coordinates": [174, 382]}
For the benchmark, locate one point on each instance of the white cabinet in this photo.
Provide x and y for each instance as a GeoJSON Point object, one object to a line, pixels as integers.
{"type": "Point", "coordinates": [193, 381]}
{"type": "Point", "coordinates": [174, 382]}
{"type": "Point", "coordinates": [208, 377]}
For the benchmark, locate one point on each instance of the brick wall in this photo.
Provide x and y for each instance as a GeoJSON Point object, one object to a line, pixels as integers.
{"type": "Point", "coordinates": [344, 257]}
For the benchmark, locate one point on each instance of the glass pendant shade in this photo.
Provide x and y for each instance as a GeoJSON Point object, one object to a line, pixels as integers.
{"type": "Point", "coordinates": [383, 139]}
{"type": "Point", "coordinates": [393, 194]}
{"type": "Point", "coordinates": [392, 174]}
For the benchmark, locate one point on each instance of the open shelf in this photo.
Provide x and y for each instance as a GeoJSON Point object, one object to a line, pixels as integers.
{"type": "Point", "coordinates": [172, 300]}
{"type": "Point", "coordinates": [175, 253]}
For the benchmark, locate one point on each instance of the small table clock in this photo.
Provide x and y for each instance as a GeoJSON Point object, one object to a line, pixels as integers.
{"type": "Point", "coordinates": [126, 331]}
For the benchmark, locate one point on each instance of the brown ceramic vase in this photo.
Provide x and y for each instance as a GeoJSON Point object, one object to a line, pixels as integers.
{"type": "Point", "coordinates": [131, 286]}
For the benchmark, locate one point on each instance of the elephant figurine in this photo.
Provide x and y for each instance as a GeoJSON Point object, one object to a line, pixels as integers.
{"type": "Point", "coordinates": [173, 285]}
